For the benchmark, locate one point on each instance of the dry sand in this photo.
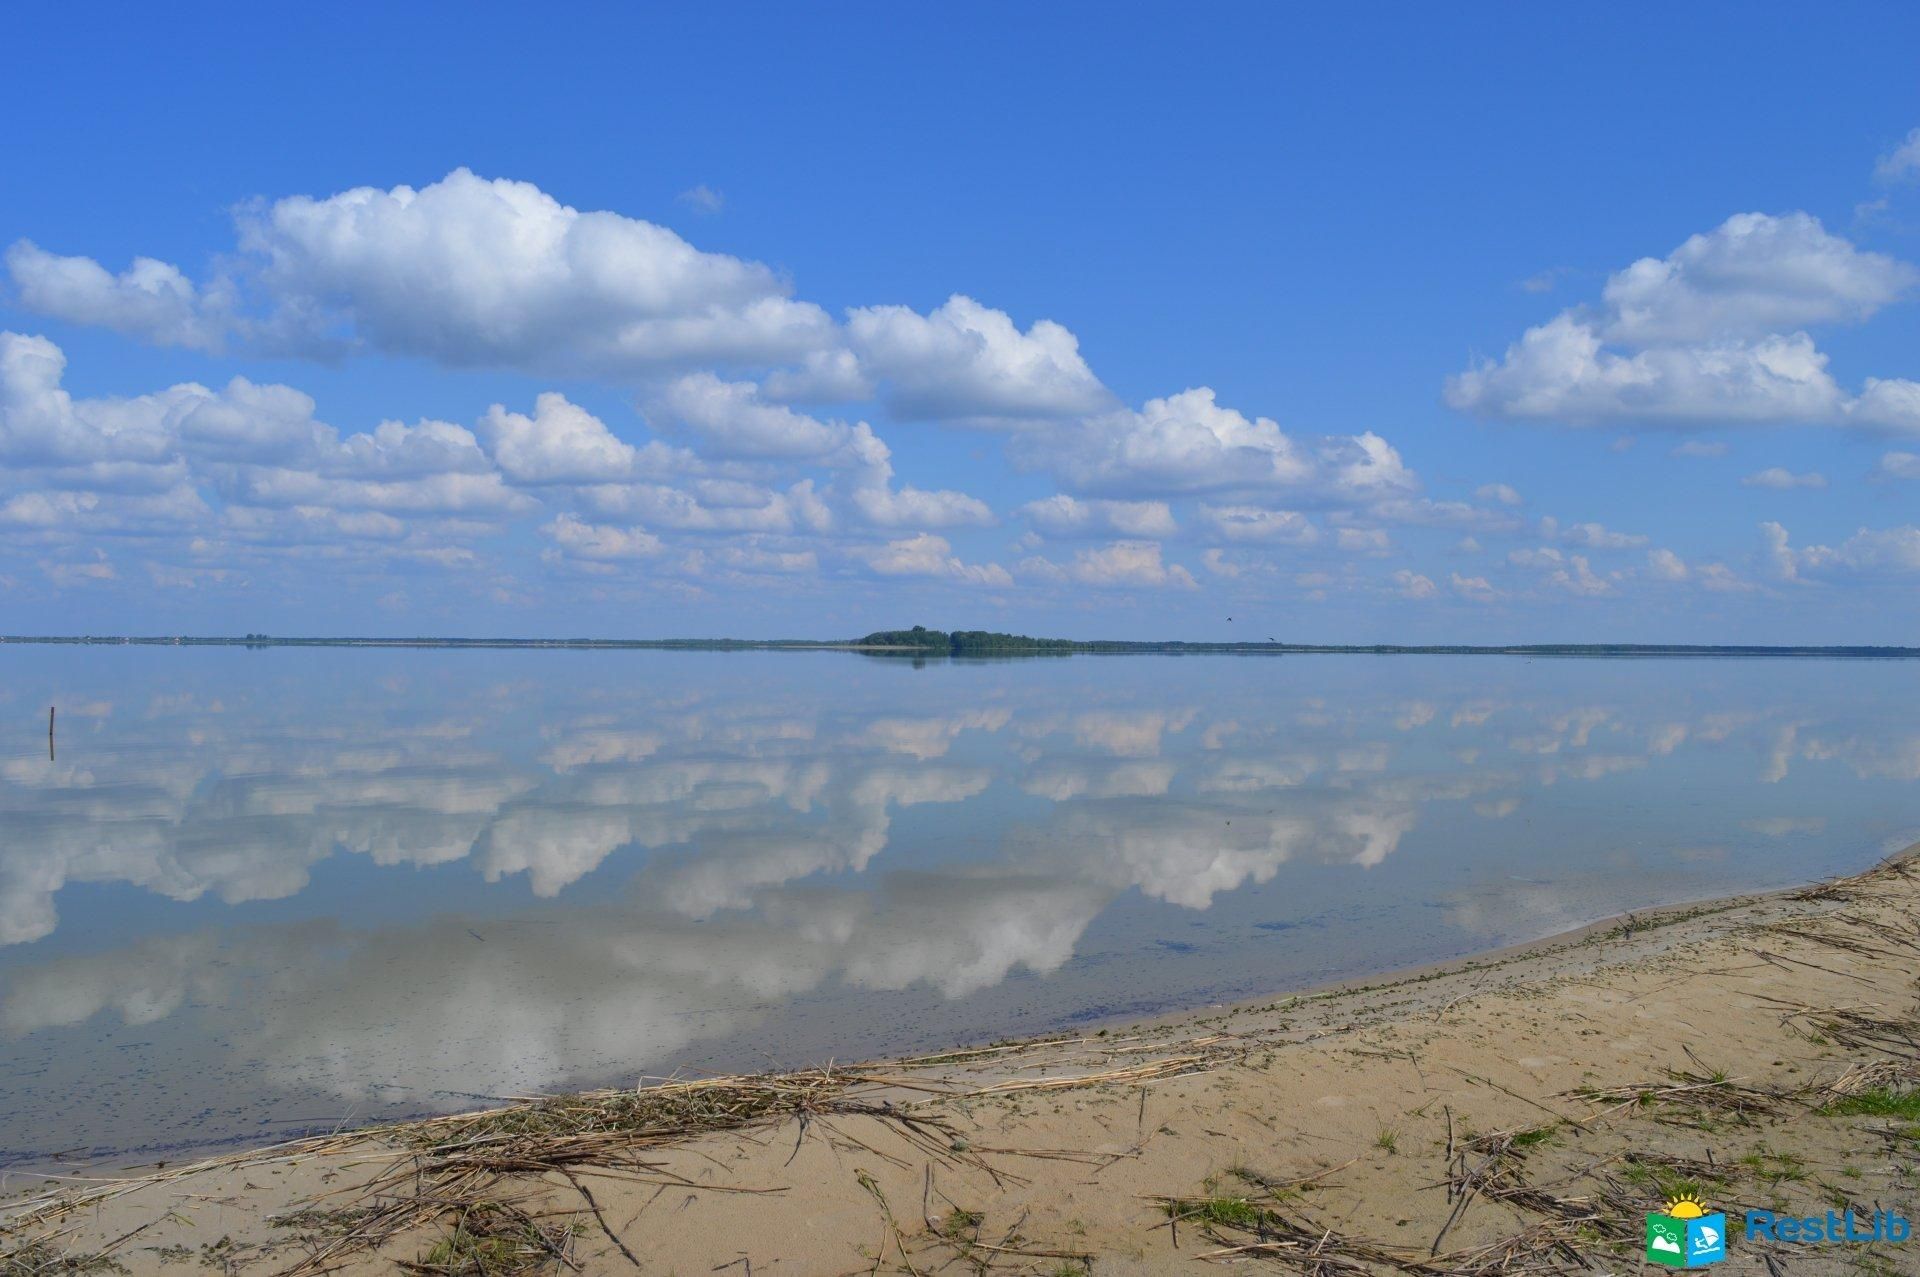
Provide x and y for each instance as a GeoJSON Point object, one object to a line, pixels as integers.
{"type": "Point", "coordinates": [1515, 1113]}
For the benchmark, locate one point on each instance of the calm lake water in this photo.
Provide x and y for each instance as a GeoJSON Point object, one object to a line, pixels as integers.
{"type": "Point", "coordinates": [261, 892]}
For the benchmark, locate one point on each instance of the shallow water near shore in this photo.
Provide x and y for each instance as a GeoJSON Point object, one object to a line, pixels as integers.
{"type": "Point", "coordinates": [258, 893]}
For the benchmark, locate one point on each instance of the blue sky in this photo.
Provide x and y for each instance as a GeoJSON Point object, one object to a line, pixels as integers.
{"type": "Point", "coordinates": [1349, 324]}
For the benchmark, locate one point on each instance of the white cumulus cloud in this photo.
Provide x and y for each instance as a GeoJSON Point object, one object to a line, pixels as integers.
{"type": "Point", "coordinates": [1593, 536]}
{"type": "Point", "coordinates": [1711, 334]}
{"type": "Point", "coordinates": [1754, 275]}
{"type": "Point", "coordinates": [1063, 516]}
{"type": "Point", "coordinates": [1780, 478]}
{"type": "Point", "coordinates": [1572, 573]}
{"type": "Point", "coordinates": [1666, 565]}
{"type": "Point", "coordinates": [1475, 588]}
{"type": "Point", "coordinates": [1891, 551]}
{"type": "Point", "coordinates": [1902, 163]}
{"type": "Point", "coordinates": [465, 271]}
{"type": "Point", "coordinates": [600, 541]}
{"type": "Point", "coordinates": [1898, 465]}
{"type": "Point", "coordinates": [1123, 563]}
{"type": "Point", "coordinates": [150, 300]}
{"type": "Point", "coordinates": [1504, 493]}
{"type": "Point", "coordinates": [1253, 523]}
{"type": "Point", "coordinates": [1413, 585]}
{"type": "Point", "coordinates": [560, 443]}
{"type": "Point", "coordinates": [931, 556]}
{"type": "Point", "coordinates": [968, 362]}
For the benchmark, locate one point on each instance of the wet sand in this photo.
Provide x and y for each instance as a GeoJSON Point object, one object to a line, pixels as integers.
{"type": "Point", "coordinates": [1518, 1112]}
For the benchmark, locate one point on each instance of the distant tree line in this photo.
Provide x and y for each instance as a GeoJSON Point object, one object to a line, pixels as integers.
{"type": "Point", "coordinates": [922, 641]}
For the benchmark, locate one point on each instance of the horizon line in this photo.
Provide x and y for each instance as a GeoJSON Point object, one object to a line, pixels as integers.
{"type": "Point", "coordinates": [1086, 646]}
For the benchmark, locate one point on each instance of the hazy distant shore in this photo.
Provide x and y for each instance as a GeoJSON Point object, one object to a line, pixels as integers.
{"type": "Point", "coordinates": [1037, 648]}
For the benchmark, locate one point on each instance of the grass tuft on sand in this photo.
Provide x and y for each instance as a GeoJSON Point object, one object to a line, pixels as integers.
{"type": "Point", "coordinates": [1877, 1102]}
{"type": "Point", "coordinates": [41, 1259]}
{"type": "Point", "coordinates": [495, 1239]}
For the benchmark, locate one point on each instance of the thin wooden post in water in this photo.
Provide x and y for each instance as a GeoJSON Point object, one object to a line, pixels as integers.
{"type": "Point", "coordinates": [50, 713]}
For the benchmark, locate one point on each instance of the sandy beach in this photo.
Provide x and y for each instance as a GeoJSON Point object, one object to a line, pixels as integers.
{"type": "Point", "coordinates": [1515, 1113]}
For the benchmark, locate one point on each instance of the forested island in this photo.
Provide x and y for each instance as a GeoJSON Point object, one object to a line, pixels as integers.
{"type": "Point", "coordinates": [928, 642]}
{"type": "Point", "coordinates": [923, 643]}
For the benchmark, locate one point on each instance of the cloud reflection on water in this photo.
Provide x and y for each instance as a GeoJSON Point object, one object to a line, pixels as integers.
{"type": "Point", "coordinates": [699, 866]}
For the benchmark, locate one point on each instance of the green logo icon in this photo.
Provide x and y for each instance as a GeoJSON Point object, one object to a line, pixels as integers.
{"type": "Point", "coordinates": [1685, 1235]}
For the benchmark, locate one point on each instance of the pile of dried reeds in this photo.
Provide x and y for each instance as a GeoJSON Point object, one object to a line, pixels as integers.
{"type": "Point", "coordinates": [1258, 1229]}
{"type": "Point", "coordinates": [1860, 1027]}
{"type": "Point", "coordinates": [495, 1239]}
{"type": "Point", "coordinates": [1902, 864]}
{"type": "Point", "coordinates": [579, 1128]}
{"type": "Point", "coordinates": [448, 1163]}
{"type": "Point", "coordinates": [1491, 1166]}
{"type": "Point", "coordinates": [43, 1259]}
{"type": "Point", "coordinates": [456, 1163]}
{"type": "Point", "coordinates": [1688, 1099]}
{"type": "Point", "coordinates": [1880, 1075]}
